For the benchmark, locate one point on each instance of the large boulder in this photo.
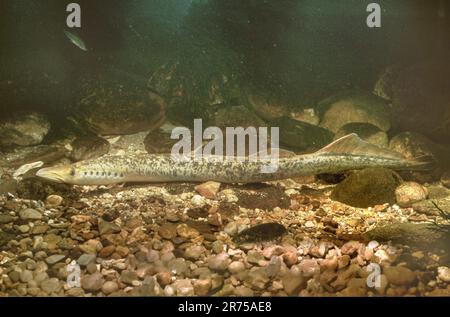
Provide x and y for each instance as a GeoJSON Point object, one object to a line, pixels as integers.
{"type": "Point", "coordinates": [385, 82]}
{"type": "Point", "coordinates": [301, 136]}
{"type": "Point", "coordinates": [85, 148]}
{"type": "Point", "coordinates": [366, 131]}
{"type": "Point", "coordinates": [24, 128]}
{"type": "Point", "coordinates": [236, 116]}
{"type": "Point", "coordinates": [368, 187]}
{"type": "Point", "coordinates": [109, 106]}
{"type": "Point", "coordinates": [267, 109]}
{"type": "Point", "coordinates": [354, 107]}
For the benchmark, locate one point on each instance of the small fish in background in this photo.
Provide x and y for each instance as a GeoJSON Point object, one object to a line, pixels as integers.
{"type": "Point", "coordinates": [75, 39]}
{"type": "Point", "coordinates": [262, 232]}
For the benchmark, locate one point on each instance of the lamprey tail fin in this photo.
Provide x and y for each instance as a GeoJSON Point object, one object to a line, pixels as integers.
{"type": "Point", "coordinates": [422, 163]}
{"type": "Point", "coordinates": [352, 144]}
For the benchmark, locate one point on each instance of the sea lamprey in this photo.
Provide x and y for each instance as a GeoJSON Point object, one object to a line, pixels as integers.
{"type": "Point", "coordinates": [346, 153]}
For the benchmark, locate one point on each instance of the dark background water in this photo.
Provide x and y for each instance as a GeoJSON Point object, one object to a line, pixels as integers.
{"type": "Point", "coordinates": [296, 50]}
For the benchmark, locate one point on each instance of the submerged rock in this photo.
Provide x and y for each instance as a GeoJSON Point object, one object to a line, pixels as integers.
{"type": "Point", "coordinates": [366, 131]}
{"type": "Point", "coordinates": [367, 187]}
{"type": "Point", "coordinates": [417, 234]}
{"type": "Point", "coordinates": [308, 115]}
{"type": "Point", "coordinates": [24, 128]}
{"type": "Point", "coordinates": [399, 275]}
{"type": "Point", "coordinates": [208, 189]}
{"type": "Point", "coordinates": [85, 148]}
{"type": "Point", "coordinates": [30, 154]}
{"type": "Point", "coordinates": [444, 273]}
{"type": "Point", "coordinates": [236, 116]}
{"type": "Point", "coordinates": [409, 193]}
{"type": "Point", "coordinates": [385, 83]}
{"type": "Point", "coordinates": [301, 136]}
{"type": "Point", "coordinates": [159, 141]}
{"type": "Point", "coordinates": [267, 109]}
{"type": "Point", "coordinates": [412, 145]}
{"type": "Point", "coordinates": [355, 107]}
{"type": "Point", "coordinates": [118, 106]}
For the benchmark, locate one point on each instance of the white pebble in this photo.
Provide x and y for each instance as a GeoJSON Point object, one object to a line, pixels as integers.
{"type": "Point", "coordinates": [198, 200]}
{"type": "Point", "coordinates": [373, 245]}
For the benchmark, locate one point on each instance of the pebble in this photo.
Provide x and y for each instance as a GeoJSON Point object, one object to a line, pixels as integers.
{"type": "Point", "coordinates": [290, 258]}
{"type": "Point", "coordinates": [92, 282]}
{"type": "Point", "coordinates": [178, 266]}
{"type": "Point", "coordinates": [105, 227]}
{"type": "Point", "coordinates": [243, 291]}
{"type": "Point", "coordinates": [91, 268]}
{"type": "Point", "coordinates": [198, 201]}
{"type": "Point", "coordinates": [184, 287]}
{"type": "Point", "coordinates": [107, 251]}
{"type": "Point", "coordinates": [54, 200]}
{"type": "Point", "coordinates": [85, 259]}
{"type": "Point", "coordinates": [110, 287]}
{"type": "Point", "coordinates": [444, 273]}
{"type": "Point", "coordinates": [53, 259]}
{"type": "Point", "coordinates": [254, 257]}
{"type": "Point", "coordinates": [215, 220]}
{"type": "Point", "coordinates": [309, 267]}
{"type": "Point", "coordinates": [208, 190]}
{"type": "Point", "coordinates": [91, 246]}
{"type": "Point", "coordinates": [399, 275]}
{"type": "Point", "coordinates": [274, 267]}
{"type": "Point", "coordinates": [236, 267]}
{"type": "Point", "coordinates": [40, 229]}
{"type": "Point", "coordinates": [26, 276]}
{"type": "Point", "coordinates": [30, 214]}
{"type": "Point", "coordinates": [23, 228]}
{"type": "Point", "coordinates": [6, 218]}
{"type": "Point", "coordinates": [164, 278]}
{"type": "Point", "coordinates": [293, 283]}
{"type": "Point", "coordinates": [202, 287]}
{"type": "Point", "coordinates": [409, 193]}
{"type": "Point", "coordinates": [194, 252]}
{"type": "Point", "coordinates": [128, 277]}
{"type": "Point", "coordinates": [272, 250]}
{"type": "Point", "coordinates": [217, 246]}
{"type": "Point", "coordinates": [373, 244]}
{"type": "Point", "coordinates": [258, 278]}
{"type": "Point", "coordinates": [186, 232]}
{"type": "Point", "coordinates": [350, 248]}
{"type": "Point", "coordinates": [219, 262]}
{"type": "Point", "coordinates": [51, 285]}
{"type": "Point", "coordinates": [152, 256]}
{"type": "Point", "coordinates": [231, 228]}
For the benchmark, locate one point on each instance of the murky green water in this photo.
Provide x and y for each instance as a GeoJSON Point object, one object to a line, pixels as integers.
{"type": "Point", "coordinates": [110, 83]}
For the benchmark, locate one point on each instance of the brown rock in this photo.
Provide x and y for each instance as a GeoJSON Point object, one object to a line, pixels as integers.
{"type": "Point", "coordinates": [208, 189]}
{"type": "Point", "coordinates": [409, 193]}
{"type": "Point", "coordinates": [399, 275]}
